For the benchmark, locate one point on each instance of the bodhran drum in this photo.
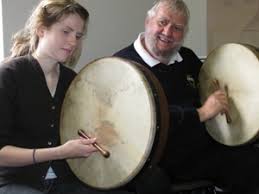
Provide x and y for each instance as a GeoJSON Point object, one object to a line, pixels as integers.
{"type": "Point", "coordinates": [121, 104]}
{"type": "Point", "coordinates": [235, 68]}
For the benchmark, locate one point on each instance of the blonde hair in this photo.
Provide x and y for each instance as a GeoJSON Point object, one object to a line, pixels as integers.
{"type": "Point", "coordinates": [46, 14]}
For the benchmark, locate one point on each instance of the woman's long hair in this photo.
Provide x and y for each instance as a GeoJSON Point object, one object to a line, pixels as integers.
{"type": "Point", "coordinates": [48, 12]}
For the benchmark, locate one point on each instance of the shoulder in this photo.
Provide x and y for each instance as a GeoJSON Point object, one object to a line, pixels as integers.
{"type": "Point", "coordinates": [129, 50]}
{"type": "Point", "coordinates": [188, 55]}
{"type": "Point", "coordinates": [67, 72]}
{"type": "Point", "coordinates": [187, 51]}
{"type": "Point", "coordinates": [191, 62]}
{"type": "Point", "coordinates": [130, 53]}
{"type": "Point", "coordinates": [10, 71]}
{"type": "Point", "coordinates": [13, 62]}
{"type": "Point", "coordinates": [14, 65]}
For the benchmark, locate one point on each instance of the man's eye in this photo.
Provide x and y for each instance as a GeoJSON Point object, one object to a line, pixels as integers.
{"type": "Point", "coordinates": [178, 28]}
{"type": "Point", "coordinates": [162, 23]}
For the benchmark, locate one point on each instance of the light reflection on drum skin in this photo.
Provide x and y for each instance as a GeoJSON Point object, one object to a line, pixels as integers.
{"type": "Point", "coordinates": [113, 100]}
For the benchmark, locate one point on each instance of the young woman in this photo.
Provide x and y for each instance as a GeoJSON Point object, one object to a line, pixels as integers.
{"type": "Point", "coordinates": [33, 82]}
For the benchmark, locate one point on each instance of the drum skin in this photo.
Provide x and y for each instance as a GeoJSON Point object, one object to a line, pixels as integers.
{"type": "Point", "coordinates": [235, 67]}
{"type": "Point", "coordinates": [121, 104]}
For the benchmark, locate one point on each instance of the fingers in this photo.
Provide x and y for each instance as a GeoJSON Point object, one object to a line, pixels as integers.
{"type": "Point", "coordinates": [221, 95]}
{"type": "Point", "coordinates": [87, 141]}
{"type": "Point", "coordinates": [88, 150]}
{"type": "Point", "coordinates": [215, 104]}
{"type": "Point", "coordinates": [221, 99]}
{"type": "Point", "coordinates": [221, 104]}
{"type": "Point", "coordinates": [77, 148]}
{"type": "Point", "coordinates": [88, 144]}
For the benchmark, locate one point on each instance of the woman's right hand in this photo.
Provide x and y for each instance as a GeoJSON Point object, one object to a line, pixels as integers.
{"type": "Point", "coordinates": [77, 148]}
{"type": "Point", "coordinates": [11, 156]}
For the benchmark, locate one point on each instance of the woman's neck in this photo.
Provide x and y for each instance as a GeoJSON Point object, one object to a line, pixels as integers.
{"type": "Point", "coordinates": [48, 66]}
{"type": "Point", "coordinates": [51, 71]}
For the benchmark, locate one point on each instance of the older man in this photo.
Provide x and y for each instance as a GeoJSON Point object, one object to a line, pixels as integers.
{"type": "Point", "coordinates": [190, 154]}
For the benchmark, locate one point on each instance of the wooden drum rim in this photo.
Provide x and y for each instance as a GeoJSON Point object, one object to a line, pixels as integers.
{"type": "Point", "coordinates": [123, 105]}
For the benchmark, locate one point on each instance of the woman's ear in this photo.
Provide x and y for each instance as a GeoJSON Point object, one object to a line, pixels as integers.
{"type": "Point", "coordinates": [40, 31]}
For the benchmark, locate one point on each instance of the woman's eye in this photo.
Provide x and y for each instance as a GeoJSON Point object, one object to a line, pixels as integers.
{"type": "Point", "coordinates": [79, 36]}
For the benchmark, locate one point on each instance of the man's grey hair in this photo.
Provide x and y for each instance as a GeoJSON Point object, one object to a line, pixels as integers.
{"type": "Point", "coordinates": [175, 5]}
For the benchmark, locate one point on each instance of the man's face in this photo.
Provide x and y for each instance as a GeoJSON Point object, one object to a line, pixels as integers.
{"type": "Point", "coordinates": [164, 32]}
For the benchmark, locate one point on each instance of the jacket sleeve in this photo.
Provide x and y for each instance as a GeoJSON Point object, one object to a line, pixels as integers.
{"type": "Point", "coordinates": [7, 104]}
{"type": "Point", "coordinates": [180, 115]}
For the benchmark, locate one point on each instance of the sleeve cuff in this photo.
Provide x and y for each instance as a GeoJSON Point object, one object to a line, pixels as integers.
{"type": "Point", "coordinates": [180, 115]}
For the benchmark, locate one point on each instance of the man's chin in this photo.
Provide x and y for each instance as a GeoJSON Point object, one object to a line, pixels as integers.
{"type": "Point", "coordinates": [168, 53]}
{"type": "Point", "coordinates": [169, 49]}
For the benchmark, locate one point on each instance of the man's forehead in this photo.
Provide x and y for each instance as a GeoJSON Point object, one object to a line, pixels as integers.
{"type": "Point", "coordinates": [171, 16]}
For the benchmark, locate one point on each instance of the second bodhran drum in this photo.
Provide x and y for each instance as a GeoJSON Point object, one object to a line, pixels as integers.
{"type": "Point", "coordinates": [235, 69]}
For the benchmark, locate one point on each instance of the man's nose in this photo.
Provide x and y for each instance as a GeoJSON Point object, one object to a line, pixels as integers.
{"type": "Point", "coordinates": [167, 30]}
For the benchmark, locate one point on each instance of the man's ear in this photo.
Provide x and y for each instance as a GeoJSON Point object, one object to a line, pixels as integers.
{"type": "Point", "coordinates": [146, 21]}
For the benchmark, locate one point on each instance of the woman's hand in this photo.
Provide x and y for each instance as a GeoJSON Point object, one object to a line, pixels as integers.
{"type": "Point", "coordinates": [77, 148]}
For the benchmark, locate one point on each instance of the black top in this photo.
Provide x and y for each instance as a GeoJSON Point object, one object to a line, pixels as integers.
{"type": "Point", "coordinates": [179, 80]}
{"type": "Point", "coordinates": [187, 139]}
{"type": "Point", "coordinates": [191, 153]}
{"type": "Point", "coordinates": [30, 115]}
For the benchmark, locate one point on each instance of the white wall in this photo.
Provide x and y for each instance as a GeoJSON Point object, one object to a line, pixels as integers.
{"type": "Point", "coordinates": [113, 25]}
{"type": "Point", "coordinates": [197, 36]}
{"type": "Point", "coordinates": [1, 34]}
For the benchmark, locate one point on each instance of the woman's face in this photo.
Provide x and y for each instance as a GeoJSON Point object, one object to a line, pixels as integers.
{"type": "Point", "coordinates": [59, 41]}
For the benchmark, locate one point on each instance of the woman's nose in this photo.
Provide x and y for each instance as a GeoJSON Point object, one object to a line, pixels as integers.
{"type": "Point", "coordinates": [72, 40]}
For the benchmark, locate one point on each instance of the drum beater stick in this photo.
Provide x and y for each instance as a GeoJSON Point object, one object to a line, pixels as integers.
{"type": "Point", "coordinates": [104, 152]}
{"type": "Point", "coordinates": [217, 86]}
